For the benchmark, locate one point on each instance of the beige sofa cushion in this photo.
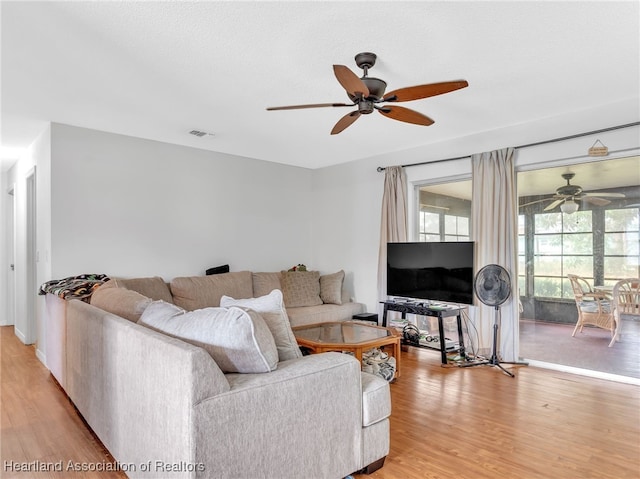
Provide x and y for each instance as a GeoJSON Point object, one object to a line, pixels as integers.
{"type": "Point", "coordinates": [197, 292]}
{"type": "Point", "coordinates": [123, 302]}
{"type": "Point", "coordinates": [301, 288]}
{"type": "Point", "coordinates": [153, 287]}
{"type": "Point", "coordinates": [331, 287]}
{"type": "Point", "coordinates": [271, 308]}
{"type": "Point", "coordinates": [237, 339]}
{"type": "Point", "coordinates": [264, 283]}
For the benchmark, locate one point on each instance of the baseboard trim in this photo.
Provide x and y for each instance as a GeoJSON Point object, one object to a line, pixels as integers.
{"type": "Point", "coordinates": [41, 356]}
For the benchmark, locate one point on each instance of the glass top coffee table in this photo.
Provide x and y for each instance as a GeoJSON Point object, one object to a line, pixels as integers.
{"type": "Point", "coordinates": [348, 336]}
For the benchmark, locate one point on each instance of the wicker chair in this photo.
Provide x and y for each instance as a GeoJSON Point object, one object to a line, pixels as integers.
{"type": "Point", "coordinates": [593, 308]}
{"type": "Point", "coordinates": [626, 304]}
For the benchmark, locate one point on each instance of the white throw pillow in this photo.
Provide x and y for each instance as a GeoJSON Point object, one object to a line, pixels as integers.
{"type": "Point", "coordinates": [271, 308]}
{"type": "Point", "coordinates": [237, 339]}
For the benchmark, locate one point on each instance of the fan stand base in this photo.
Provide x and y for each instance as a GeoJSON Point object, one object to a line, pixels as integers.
{"type": "Point", "coordinates": [493, 360]}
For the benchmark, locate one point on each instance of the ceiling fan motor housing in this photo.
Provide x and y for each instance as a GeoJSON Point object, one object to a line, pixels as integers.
{"type": "Point", "coordinates": [569, 189]}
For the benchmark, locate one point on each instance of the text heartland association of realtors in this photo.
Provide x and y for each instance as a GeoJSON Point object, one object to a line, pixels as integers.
{"type": "Point", "coordinates": [103, 466]}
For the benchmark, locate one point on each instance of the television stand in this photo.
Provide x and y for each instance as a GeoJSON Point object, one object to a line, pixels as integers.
{"type": "Point", "coordinates": [424, 309]}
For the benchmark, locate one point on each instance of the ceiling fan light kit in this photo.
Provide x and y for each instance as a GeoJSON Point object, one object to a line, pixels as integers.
{"type": "Point", "coordinates": [569, 207]}
{"type": "Point", "coordinates": [368, 93]}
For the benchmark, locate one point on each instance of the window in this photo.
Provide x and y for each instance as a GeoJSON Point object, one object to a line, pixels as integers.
{"type": "Point", "coordinates": [443, 216]}
{"type": "Point", "coordinates": [562, 244]}
{"type": "Point", "coordinates": [621, 244]}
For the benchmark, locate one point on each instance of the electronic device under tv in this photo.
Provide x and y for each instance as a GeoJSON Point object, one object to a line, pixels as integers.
{"type": "Point", "coordinates": [433, 271]}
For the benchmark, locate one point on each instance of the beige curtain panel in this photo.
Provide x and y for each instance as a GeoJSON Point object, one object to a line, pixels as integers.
{"type": "Point", "coordinates": [495, 231]}
{"type": "Point", "coordinates": [393, 224]}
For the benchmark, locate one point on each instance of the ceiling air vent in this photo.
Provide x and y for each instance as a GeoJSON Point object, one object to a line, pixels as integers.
{"type": "Point", "coordinates": [199, 133]}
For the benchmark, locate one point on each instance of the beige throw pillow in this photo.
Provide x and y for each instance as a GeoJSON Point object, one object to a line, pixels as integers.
{"type": "Point", "coordinates": [271, 308]}
{"type": "Point", "coordinates": [238, 340]}
{"type": "Point", "coordinates": [120, 301]}
{"type": "Point", "coordinates": [301, 288]}
{"type": "Point", "coordinates": [331, 287]}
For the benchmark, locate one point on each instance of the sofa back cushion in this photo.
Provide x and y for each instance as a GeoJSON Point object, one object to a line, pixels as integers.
{"type": "Point", "coordinates": [237, 339]}
{"type": "Point", "coordinates": [123, 302]}
{"type": "Point", "coordinates": [153, 287]}
{"type": "Point", "coordinates": [264, 283]}
{"type": "Point", "coordinates": [197, 292]}
{"type": "Point", "coordinates": [271, 308]}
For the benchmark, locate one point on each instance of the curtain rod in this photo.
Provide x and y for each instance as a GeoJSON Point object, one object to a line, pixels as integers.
{"type": "Point", "coordinates": [570, 137]}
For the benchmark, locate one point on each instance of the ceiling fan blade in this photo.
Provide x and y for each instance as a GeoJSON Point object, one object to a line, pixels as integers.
{"type": "Point", "coordinates": [424, 91]}
{"type": "Point", "coordinates": [314, 105]}
{"type": "Point", "coordinates": [405, 114]}
{"type": "Point", "coordinates": [350, 81]}
{"type": "Point", "coordinates": [594, 200]}
{"type": "Point", "coordinates": [537, 201]}
{"type": "Point", "coordinates": [345, 121]}
{"type": "Point", "coordinates": [605, 195]}
{"type": "Point", "coordinates": [554, 204]}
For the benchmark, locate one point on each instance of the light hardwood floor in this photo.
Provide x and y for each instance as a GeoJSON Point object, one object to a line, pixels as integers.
{"type": "Point", "coordinates": [446, 422]}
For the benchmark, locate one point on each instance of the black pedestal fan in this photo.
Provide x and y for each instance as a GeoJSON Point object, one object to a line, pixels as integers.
{"type": "Point", "coordinates": [492, 286]}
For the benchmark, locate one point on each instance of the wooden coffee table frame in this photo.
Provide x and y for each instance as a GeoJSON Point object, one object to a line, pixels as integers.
{"type": "Point", "coordinates": [393, 339]}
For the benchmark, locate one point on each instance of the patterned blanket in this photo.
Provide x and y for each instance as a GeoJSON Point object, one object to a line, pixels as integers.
{"type": "Point", "coordinates": [74, 287]}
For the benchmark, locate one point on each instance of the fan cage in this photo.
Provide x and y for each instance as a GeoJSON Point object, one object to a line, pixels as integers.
{"type": "Point", "coordinates": [492, 285]}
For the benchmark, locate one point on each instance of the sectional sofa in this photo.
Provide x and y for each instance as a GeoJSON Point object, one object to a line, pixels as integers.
{"type": "Point", "coordinates": [166, 405]}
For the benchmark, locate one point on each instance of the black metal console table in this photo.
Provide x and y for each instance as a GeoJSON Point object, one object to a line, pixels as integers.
{"type": "Point", "coordinates": [424, 309]}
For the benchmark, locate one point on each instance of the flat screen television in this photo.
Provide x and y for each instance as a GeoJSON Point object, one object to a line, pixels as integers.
{"type": "Point", "coordinates": [436, 271]}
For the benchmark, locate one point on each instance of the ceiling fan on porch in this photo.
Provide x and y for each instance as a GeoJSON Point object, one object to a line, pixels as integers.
{"type": "Point", "coordinates": [566, 197]}
{"type": "Point", "coordinates": [368, 93]}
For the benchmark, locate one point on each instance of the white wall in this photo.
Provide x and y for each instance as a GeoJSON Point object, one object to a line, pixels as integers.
{"type": "Point", "coordinates": [131, 207]}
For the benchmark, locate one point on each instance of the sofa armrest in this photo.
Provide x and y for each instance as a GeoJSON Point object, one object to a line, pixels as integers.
{"type": "Point", "coordinates": [135, 387]}
{"type": "Point", "coordinates": [302, 420]}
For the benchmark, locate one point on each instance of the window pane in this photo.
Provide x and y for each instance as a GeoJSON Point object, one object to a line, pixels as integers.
{"type": "Point", "coordinates": [521, 286]}
{"type": "Point", "coordinates": [622, 244]}
{"type": "Point", "coordinates": [428, 237]}
{"type": "Point", "coordinates": [450, 224]}
{"type": "Point", "coordinates": [567, 291]}
{"type": "Point", "coordinates": [520, 224]}
{"type": "Point", "coordinates": [621, 267]}
{"type": "Point", "coordinates": [452, 238]}
{"type": "Point", "coordinates": [430, 222]}
{"type": "Point", "coordinates": [548, 265]}
{"type": "Point", "coordinates": [578, 222]}
{"type": "Point", "coordinates": [580, 243]}
{"type": "Point", "coordinates": [547, 287]}
{"type": "Point", "coordinates": [549, 223]}
{"type": "Point", "coordinates": [621, 220]}
{"type": "Point", "coordinates": [580, 265]}
{"type": "Point", "coordinates": [521, 244]}
{"type": "Point", "coordinates": [547, 244]}
{"type": "Point", "coordinates": [463, 226]}
{"type": "Point", "coordinates": [521, 265]}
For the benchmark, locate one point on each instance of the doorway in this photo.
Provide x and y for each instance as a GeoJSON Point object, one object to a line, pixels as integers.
{"type": "Point", "coordinates": [31, 258]}
{"type": "Point", "coordinates": [10, 225]}
{"type": "Point", "coordinates": [593, 233]}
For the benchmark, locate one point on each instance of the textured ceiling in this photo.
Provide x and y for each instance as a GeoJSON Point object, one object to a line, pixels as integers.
{"type": "Point", "coordinates": [157, 70]}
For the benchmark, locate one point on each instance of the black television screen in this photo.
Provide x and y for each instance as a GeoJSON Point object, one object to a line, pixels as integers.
{"type": "Point", "coordinates": [431, 271]}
